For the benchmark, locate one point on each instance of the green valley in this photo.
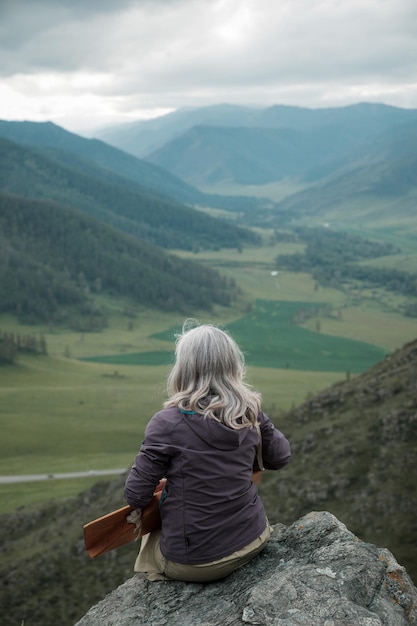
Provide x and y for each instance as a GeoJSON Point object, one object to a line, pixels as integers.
{"type": "Point", "coordinates": [313, 272]}
{"type": "Point", "coordinates": [298, 339]}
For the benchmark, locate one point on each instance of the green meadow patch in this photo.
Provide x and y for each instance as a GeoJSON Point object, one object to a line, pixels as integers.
{"type": "Point", "coordinates": [270, 338]}
{"type": "Point", "coordinates": [135, 358]}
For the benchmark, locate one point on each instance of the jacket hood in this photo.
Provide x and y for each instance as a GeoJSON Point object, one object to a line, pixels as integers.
{"type": "Point", "coordinates": [214, 433]}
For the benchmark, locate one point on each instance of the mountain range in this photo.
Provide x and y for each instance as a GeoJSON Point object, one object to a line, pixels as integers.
{"type": "Point", "coordinates": [102, 161]}
{"type": "Point", "coordinates": [145, 137]}
{"type": "Point", "coordinates": [356, 168]}
{"type": "Point", "coordinates": [354, 454]}
{"type": "Point", "coordinates": [385, 167]}
{"type": "Point", "coordinates": [352, 166]}
{"type": "Point", "coordinates": [255, 146]}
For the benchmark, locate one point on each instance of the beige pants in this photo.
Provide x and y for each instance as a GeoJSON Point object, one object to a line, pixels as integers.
{"type": "Point", "coordinates": [151, 561]}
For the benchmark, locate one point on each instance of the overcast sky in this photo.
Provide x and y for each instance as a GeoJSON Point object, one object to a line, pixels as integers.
{"type": "Point", "coordinates": [89, 63]}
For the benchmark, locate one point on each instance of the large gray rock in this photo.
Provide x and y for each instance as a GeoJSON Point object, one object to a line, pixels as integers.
{"type": "Point", "coordinates": [312, 573]}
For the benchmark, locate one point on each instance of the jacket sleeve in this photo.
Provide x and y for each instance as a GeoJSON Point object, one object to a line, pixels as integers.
{"type": "Point", "coordinates": [276, 451]}
{"type": "Point", "coordinates": [150, 464]}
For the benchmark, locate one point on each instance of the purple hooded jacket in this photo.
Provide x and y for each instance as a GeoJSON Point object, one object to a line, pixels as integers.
{"type": "Point", "coordinates": [210, 507]}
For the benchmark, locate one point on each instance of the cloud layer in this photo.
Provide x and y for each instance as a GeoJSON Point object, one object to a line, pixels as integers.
{"type": "Point", "coordinates": [83, 63]}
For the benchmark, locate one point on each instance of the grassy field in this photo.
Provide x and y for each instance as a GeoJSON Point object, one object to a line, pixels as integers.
{"type": "Point", "coordinates": [363, 314]}
{"type": "Point", "coordinates": [123, 334]}
{"type": "Point", "coordinates": [275, 191]}
{"type": "Point", "coordinates": [269, 337]}
{"type": "Point", "coordinates": [400, 262]}
{"type": "Point", "coordinates": [59, 414]}
{"type": "Point", "coordinates": [380, 219]}
{"type": "Point", "coordinates": [386, 329]}
{"type": "Point", "coordinates": [385, 219]}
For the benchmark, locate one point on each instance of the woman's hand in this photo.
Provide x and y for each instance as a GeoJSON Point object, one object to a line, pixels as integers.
{"type": "Point", "coordinates": [135, 517]}
{"type": "Point", "coordinates": [161, 485]}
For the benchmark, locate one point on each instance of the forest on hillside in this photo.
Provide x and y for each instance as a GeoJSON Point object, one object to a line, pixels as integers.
{"type": "Point", "coordinates": [54, 260]}
{"type": "Point", "coordinates": [332, 258]}
{"type": "Point", "coordinates": [54, 175]}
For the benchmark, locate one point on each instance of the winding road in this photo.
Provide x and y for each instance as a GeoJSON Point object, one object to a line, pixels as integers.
{"type": "Point", "coordinates": [26, 478]}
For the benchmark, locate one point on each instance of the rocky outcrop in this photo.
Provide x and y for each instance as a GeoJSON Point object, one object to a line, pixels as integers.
{"type": "Point", "coordinates": [312, 573]}
{"type": "Point", "coordinates": [355, 454]}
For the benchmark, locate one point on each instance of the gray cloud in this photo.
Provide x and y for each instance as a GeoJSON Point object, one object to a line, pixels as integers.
{"type": "Point", "coordinates": [170, 53]}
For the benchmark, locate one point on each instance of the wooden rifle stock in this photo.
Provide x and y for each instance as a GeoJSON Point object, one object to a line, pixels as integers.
{"type": "Point", "coordinates": [113, 530]}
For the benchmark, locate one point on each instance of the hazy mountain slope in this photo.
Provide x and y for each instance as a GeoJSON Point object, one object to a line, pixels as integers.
{"type": "Point", "coordinates": [48, 135]}
{"type": "Point", "coordinates": [354, 454]}
{"type": "Point", "coordinates": [376, 192]}
{"type": "Point", "coordinates": [323, 142]}
{"type": "Point", "coordinates": [81, 154]}
{"type": "Point", "coordinates": [250, 156]}
{"type": "Point", "coordinates": [363, 119]}
{"type": "Point", "coordinates": [55, 259]}
{"type": "Point", "coordinates": [384, 179]}
{"type": "Point", "coordinates": [25, 171]}
{"type": "Point", "coordinates": [144, 137]}
{"type": "Point", "coordinates": [397, 142]}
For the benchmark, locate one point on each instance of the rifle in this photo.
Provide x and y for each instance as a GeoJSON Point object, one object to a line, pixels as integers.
{"type": "Point", "coordinates": [113, 530]}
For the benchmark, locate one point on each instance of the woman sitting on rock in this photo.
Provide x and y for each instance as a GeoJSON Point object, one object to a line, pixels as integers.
{"type": "Point", "coordinates": [205, 441]}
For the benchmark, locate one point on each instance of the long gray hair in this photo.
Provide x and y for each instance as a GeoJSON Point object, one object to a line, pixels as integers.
{"type": "Point", "coordinates": [208, 377]}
